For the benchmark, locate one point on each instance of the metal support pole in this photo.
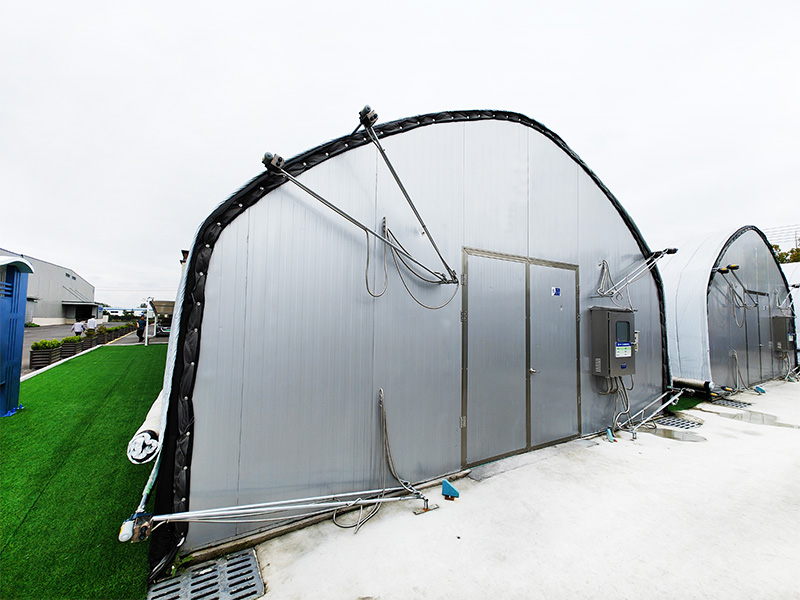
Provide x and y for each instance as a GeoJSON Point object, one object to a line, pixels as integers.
{"type": "Point", "coordinates": [240, 512]}
{"type": "Point", "coordinates": [374, 138]}
{"type": "Point", "coordinates": [147, 302]}
{"type": "Point", "coordinates": [639, 271]}
{"type": "Point", "coordinates": [672, 400]}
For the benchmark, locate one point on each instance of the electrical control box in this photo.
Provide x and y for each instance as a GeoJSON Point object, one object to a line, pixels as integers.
{"type": "Point", "coordinates": [613, 342]}
{"type": "Point", "coordinates": [783, 339]}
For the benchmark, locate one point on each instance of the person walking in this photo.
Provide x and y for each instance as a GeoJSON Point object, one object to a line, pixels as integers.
{"type": "Point", "coordinates": [140, 325]}
{"type": "Point", "coordinates": [91, 325]}
{"type": "Point", "coordinates": [77, 328]}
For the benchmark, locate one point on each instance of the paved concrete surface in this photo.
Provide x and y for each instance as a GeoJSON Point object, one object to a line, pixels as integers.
{"type": "Point", "coordinates": [712, 513]}
{"type": "Point", "coordinates": [35, 334]}
{"type": "Point", "coordinates": [132, 338]}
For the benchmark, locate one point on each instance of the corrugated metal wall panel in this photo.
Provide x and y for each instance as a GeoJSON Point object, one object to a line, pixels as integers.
{"type": "Point", "coordinates": [496, 187]}
{"type": "Point", "coordinates": [418, 351]}
{"type": "Point", "coordinates": [308, 423]}
{"type": "Point", "coordinates": [290, 322]}
{"type": "Point", "coordinates": [751, 341]}
{"type": "Point", "coordinates": [725, 335]}
{"type": "Point", "coordinates": [218, 390]}
{"type": "Point", "coordinates": [553, 198]}
{"type": "Point", "coordinates": [602, 235]}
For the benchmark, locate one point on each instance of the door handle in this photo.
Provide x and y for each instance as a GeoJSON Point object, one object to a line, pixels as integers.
{"type": "Point", "coordinates": [532, 371]}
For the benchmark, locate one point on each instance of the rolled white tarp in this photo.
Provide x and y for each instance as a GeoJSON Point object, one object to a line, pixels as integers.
{"type": "Point", "coordinates": [146, 442]}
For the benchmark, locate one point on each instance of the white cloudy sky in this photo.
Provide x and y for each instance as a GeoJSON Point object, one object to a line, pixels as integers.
{"type": "Point", "coordinates": [122, 125]}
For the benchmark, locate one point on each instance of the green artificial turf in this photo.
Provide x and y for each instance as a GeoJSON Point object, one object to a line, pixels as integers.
{"type": "Point", "coordinates": [685, 403]}
{"type": "Point", "coordinates": [66, 484]}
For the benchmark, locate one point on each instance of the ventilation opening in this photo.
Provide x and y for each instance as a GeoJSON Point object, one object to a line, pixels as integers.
{"type": "Point", "coordinates": [234, 577]}
{"type": "Point", "coordinates": [732, 403]}
{"type": "Point", "coordinates": [677, 422]}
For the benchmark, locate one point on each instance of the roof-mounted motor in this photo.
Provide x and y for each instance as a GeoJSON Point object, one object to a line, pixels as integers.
{"type": "Point", "coordinates": [367, 116]}
{"type": "Point", "coordinates": [273, 162]}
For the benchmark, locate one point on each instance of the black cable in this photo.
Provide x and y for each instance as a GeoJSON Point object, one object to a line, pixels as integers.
{"type": "Point", "coordinates": [385, 273]}
{"type": "Point", "coordinates": [410, 293]}
{"type": "Point", "coordinates": [393, 238]}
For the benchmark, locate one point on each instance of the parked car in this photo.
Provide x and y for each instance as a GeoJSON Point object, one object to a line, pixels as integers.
{"type": "Point", "coordinates": [163, 327]}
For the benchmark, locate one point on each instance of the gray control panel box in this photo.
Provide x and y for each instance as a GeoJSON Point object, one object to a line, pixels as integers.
{"type": "Point", "coordinates": [782, 334]}
{"type": "Point", "coordinates": [613, 342]}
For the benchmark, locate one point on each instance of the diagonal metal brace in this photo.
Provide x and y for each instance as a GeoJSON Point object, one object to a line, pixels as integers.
{"type": "Point", "coordinates": [274, 164]}
{"type": "Point", "coordinates": [368, 118]}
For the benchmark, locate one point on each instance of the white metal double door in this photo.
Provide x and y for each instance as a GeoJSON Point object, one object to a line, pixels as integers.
{"type": "Point", "coordinates": [520, 363]}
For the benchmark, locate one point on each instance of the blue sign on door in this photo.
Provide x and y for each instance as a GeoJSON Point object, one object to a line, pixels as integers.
{"type": "Point", "coordinates": [556, 291]}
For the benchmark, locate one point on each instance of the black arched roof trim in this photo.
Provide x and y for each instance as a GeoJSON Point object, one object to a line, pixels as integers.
{"type": "Point", "coordinates": [172, 493]}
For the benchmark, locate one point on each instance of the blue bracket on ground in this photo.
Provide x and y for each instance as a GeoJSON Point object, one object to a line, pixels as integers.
{"type": "Point", "coordinates": [760, 390]}
{"type": "Point", "coordinates": [448, 491]}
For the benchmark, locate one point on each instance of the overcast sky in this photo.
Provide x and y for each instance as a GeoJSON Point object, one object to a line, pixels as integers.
{"type": "Point", "coordinates": [122, 125]}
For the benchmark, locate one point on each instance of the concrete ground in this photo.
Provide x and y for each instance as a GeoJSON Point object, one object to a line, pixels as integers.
{"type": "Point", "coordinates": [132, 338]}
{"type": "Point", "coordinates": [712, 513]}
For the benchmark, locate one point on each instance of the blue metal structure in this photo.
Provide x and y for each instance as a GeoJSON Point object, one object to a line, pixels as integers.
{"type": "Point", "coordinates": [13, 288]}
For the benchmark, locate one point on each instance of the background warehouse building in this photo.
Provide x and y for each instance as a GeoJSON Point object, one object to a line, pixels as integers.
{"type": "Point", "coordinates": [56, 295]}
{"type": "Point", "coordinates": [729, 314]}
{"type": "Point", "coordinates": [482, 283]}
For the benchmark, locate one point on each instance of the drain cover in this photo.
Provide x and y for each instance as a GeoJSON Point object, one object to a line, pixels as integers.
{"type": "Point", "coordinates": [234, 577]}
{"type": "Point", "coordinates": [732, 403]}
{"type": "Point", "coordinates": [677, 422]}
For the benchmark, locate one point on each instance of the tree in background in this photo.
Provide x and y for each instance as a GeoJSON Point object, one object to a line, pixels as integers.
{"type": "Point", "coordinates": [790, 256]}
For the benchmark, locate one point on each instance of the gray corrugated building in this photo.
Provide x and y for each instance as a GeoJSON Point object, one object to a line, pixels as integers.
{"type": "Point", "coordinates": [730, 318]}
{"type": "Point", "coordinates": [56, 295]}
{"type": "Point", "coordinates": [471, 309]}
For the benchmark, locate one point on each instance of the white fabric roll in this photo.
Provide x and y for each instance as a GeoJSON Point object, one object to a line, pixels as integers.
{"type": "Point", "coordinates": [146, 443]}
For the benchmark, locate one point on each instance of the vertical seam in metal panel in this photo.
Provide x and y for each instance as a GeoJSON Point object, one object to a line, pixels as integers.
{"type": "Point", "coordinates": [577, 213]}
{"type": "Point", "coordinates": [528, 203]}
{"type": "Point", "coordinates": [528, 366]}
{"type": "Point", "coordinates": [375, 310]}
{"type": "Point", "coordinates": [464, 359]}
{"type": "Point", "coordinates": [464, 324]}
{"type": "Point", "coordinates": [244, 354]}
{"type": "Point", "coordinates": [746, 348]}
{"type": "Point", "coordinates": [578, 347]}
{"type": "Point", "coordinates": [760, 358]}
{"type": "Point", "coordinates": [578, 284]}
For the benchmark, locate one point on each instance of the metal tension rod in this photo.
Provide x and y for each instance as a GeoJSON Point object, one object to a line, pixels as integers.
{"type": "Point", "coordinates": [741, 297]}
{"type": "Point", "coordinates": [368, 117]}
{"type": "Point", "coordinates": [639, 271]}
{"type": "Point", "coordinates": [274, 164]}
{"type": "Point", "coordinates": [733, 269]}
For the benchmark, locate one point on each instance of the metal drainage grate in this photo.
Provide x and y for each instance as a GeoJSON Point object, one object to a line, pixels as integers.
{"type": "Point", "coordinates": [234, 577]}
{"type": "Point", "coordinates": [732, 403]}
{"type": "Point", "coordinates": [677, 422]}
